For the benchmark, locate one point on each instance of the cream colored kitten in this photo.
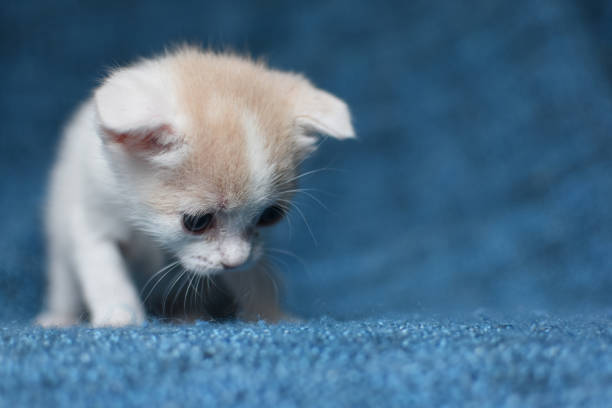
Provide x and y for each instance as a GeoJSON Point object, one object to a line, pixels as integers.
{"type": "Point", "coordinates": [191, 152]}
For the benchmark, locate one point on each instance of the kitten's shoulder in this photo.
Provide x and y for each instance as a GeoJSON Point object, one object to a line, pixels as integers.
{"type": "Point", "coordinates": [80, 163]}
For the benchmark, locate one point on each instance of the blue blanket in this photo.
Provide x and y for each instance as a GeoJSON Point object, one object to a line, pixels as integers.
{"type": "Point", "coordinates": [458, 253]}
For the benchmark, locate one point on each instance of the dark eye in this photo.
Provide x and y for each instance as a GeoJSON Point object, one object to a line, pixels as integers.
{"type": "Point", "coordinates": [271, 215]}
{"type": "Point", "coordinates": [197, 224]}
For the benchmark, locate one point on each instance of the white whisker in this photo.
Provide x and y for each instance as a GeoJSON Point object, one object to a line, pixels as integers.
{"type": "Point", "coordinates": [169, 289]}
{"type": "Point", "coordinates": [308, 173]}
{"type": "Point", "coordinates": [167, 270]}
{"type": "Point", "coordinates": [288, 253]}
{"type": "Point", "coordinates": [306, 223]}
{"type": "Point", "coordinates": [178, 291]}
{"type": "Point", "coordinates": [187, 292]}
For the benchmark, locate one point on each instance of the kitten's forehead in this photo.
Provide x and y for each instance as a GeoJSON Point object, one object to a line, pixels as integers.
{"type": "Point", "coordinates": [237, 121]}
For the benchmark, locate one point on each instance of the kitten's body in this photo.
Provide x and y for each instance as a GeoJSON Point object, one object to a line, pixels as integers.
{"type": "Point", "coordinates": [188, 134]}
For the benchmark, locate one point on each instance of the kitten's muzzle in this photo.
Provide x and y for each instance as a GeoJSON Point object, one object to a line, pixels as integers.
{"type": "Point", "coordinates": [234, 253]}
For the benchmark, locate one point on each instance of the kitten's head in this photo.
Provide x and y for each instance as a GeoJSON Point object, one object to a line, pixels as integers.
{"type": "Point", "coordinates": [206, 148]}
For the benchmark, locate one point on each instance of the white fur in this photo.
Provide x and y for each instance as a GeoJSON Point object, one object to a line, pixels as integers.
{"type": "Point", "coordinates": [85, 222]}
{"type": "Point", "coordinates": [259, 163]}
{"type": "Point", "coordinates": [98, 201]}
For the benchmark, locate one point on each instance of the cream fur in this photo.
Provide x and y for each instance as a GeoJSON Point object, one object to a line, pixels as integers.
{"type": "Point", "coordinates": [186, 132]}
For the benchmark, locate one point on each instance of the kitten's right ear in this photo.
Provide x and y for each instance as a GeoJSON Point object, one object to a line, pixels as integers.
{"type": "Point", "coordinates": [134, 111]}
{"type": "Point", "coordinates": [319, 112]}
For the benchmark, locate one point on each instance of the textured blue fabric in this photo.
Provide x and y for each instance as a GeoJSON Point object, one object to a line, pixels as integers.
{"type": "Point", "coordinates": [414, 361]}
{"type": "Point", "coordinates": [480, 182]}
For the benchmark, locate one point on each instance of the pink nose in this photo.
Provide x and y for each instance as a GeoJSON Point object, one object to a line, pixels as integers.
{"type": "Point", "coordinates": [234, 261]}
{"type": "Point", "coordinates": [234, 252]}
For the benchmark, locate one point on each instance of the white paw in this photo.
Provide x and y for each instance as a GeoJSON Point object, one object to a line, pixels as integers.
{"type": "Point", "coordinates": [51, 319]}
{"type": "Point", "coordinates": [119, 316]}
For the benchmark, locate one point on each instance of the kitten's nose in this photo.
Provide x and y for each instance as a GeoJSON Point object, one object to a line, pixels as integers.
{"type": "Point", "coordinates": [233, 263]}
{"type": "Point", "coordinates": [235, 253]}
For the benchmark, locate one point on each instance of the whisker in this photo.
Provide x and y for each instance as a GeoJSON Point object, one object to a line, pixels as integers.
{"type": "Point", "coordinates": [288, 205]}
{"type": "Point", "coordinates": [169, 289]}
{"type": "Point", "coordinates": [314, 198]}
{"type": "Point", "coordinates": [246, 293]}
{"type": "Point", "coordinates": [178, 291]}
{"type": "Point", "coordinates": [199, 292]}
{"type": "Point", "coordinates": [207, 280]}
{"type": "Point", "coordinates": [308, 173]}
{"type": "Point", "coordinates": [306, 223]}
{"type": "Point", "coordinates": [215, 284]}
{"type": "Point", "coordinates": [187, 292]}
{"type": "Point", "coordinates": [160, 278]}
{"type": "Point", "coordinates": [288, 253]}
{"type": "Point", "coordinates": [270, 275]}
{"type": "Point", "coordinates": [171, 264]}
{"type": "Point", "coordinates": [276, 261]}
{"type": "Point", "coordinates": [285, 205]}
{"type": "Point", "coordinates": [194, 292]}
{"type": "Point", "coordinates": [300, 190]}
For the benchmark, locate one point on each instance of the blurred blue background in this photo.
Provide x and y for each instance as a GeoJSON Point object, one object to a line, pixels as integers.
{"type": "Point", "coordinates": [480, 179]}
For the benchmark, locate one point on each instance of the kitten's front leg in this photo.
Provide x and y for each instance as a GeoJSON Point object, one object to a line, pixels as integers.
{"type": "Point", "coordinates": [108, 291]}
{"type": "Point", "coordinates": [62, 300]}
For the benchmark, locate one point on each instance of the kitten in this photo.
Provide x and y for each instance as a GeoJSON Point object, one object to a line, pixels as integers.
{"type": "Point", "coordinates": [187, 154]}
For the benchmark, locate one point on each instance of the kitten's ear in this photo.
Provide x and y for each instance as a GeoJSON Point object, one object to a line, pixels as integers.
{"type": "Point", "coordinates": [134, 111]}
{"type": "Point", "coordinates": [320, 112]}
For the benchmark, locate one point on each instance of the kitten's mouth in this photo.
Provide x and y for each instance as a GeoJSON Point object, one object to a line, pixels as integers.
{"type": "Point", "coordinates": [203, 267]}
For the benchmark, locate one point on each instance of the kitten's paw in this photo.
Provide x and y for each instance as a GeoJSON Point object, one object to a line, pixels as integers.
{"type": "Point", "coordinates": [51, 319]}
{"type": "Point", "coordinates": [119, 316]}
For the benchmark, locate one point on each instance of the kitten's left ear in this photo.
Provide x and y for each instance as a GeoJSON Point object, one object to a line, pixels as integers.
{"type": "Point", "coordinates": [319, 112]}
{"type": "Point", "coordinates": [134, 111]}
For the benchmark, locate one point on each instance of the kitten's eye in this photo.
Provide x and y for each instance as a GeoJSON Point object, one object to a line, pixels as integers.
{"type": "Point", "coordinates": [197, 224]}
{"type": "Point", "coordinates": [271, 215]}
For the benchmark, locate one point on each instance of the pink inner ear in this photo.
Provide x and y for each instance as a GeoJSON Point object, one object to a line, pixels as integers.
{"type": "Point", "coordinates": [145, 140]}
